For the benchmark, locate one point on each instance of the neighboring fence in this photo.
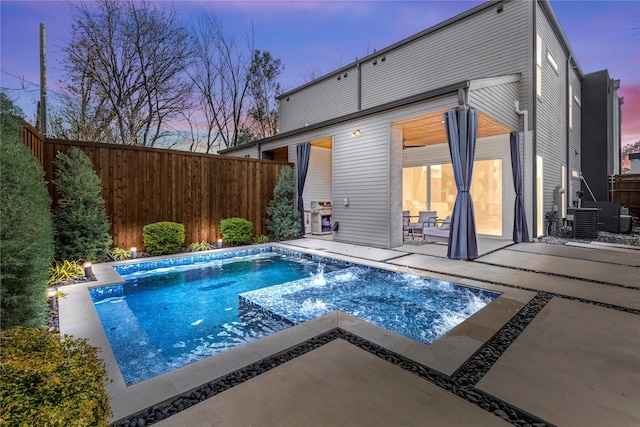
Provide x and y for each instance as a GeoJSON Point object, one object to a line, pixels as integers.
{"type": "Point", "coordinates": [145, 185]}
{"type": "Point", "coordinates": [625, 189]}
{"type": "Point", "coordinates": [33, 140]}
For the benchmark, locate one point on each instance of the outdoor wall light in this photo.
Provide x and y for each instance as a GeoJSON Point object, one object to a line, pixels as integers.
{"type": "Point", "coordinates": [219, 244]}
{"type": "Point", "coordinates": [88, 271]}
{"type": "Point", "coordinates": [356, 132]}
{"type": "Point", "coordinates": [134, 253]}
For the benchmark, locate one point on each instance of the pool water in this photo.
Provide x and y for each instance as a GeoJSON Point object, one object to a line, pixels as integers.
{"type": "Point", "coordinates": [171, 313]}
{"type": "Point", "coordinates": [420, 308]}
{"type": "Point", "coordinates": [165, 318]}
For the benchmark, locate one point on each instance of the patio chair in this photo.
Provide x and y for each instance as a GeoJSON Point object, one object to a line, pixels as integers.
{"type": "Point", "coordinates": [438, 233]}
{"type": "Point", "coordinates": [406, 228]}
{"type": "Point", "coordinates": [425, 219]}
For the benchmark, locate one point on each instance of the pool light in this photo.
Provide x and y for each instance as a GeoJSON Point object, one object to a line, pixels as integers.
{"type": "Point", "coordinates": [88, 271]}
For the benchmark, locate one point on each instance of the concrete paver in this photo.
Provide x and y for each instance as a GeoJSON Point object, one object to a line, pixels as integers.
{"type": "Point", "coordinates": [580, 268]}
{"type": "Point", "coordinates": [630, 258]}
{"type": "Point", "coordinates": [614, 295]}
{"type": "Point", "coordinates": [337, 384]}
{"type": "Point", "coordinates": [574, 365]}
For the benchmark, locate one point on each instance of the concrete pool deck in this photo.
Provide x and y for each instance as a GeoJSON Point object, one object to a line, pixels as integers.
{"type": "Point", "coordinates": [576, 363]}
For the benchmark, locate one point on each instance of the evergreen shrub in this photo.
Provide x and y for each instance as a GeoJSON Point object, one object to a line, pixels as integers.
{"type": "Point", "coordinates": [283, 218]}
{"type": "Point", "coordinates": [48, 382]}
{"type": "Point", "coordinates": [26, 230]}
{"type": "Point", "coordinates": [163, 238]}
{"type": "Point", "coordinates": [236, 231]}
{"type": "Point", "coordinates": [81, 223]}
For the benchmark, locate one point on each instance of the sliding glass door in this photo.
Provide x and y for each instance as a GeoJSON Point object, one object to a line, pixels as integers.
{"type": "Point", "coordinates": [432, 188]}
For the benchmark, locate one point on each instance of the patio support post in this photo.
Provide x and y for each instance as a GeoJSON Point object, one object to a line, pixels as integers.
{"type": "Point", "coordinates": [303, 152]}
{"type": "Point", "coordinates": [462, 127]}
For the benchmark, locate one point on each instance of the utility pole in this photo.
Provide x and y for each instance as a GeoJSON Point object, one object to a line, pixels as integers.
{"type": "Point", "coordinates": [43, 83]}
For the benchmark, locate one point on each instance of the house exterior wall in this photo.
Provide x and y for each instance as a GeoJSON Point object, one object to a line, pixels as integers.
{"type": "Point", "coordinates": [599, 100]}
{"type": "Point", "coordinates": [575, 139]}
{"type": "Point", "coordinates": [468, 49]}
{"type": "Point", "coordinates": [498, 100]}
{"type": "Point", "coordinates": [318, 185]}
{"type": "Point", "coordinates": [551, 125]}
{"type": "Point", "coordinates": [333, 96]}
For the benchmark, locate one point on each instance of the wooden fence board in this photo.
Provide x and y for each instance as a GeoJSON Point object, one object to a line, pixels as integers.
{"type": "Point", "coordinates": [626, 191]}
{"type": "Point", "coordinates": [144, 185]}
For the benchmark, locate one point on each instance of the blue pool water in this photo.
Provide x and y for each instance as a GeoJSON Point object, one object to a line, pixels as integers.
{"type": "Point", "coordinates": [174, 312]}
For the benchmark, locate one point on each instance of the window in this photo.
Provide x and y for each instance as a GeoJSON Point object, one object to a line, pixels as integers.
{"type": "Point", "coordinates": [414, 189]}
{"type": "Point", "coordinates": [552, 61]}
{"type": "Point", "coordinates": [539, 65]}
{"type": "Point", "coordinates": [570, 107]}
{"type": "Point", "coordinates": [539, 197]}
{"type": "Point", "coordinates": [434, 188]}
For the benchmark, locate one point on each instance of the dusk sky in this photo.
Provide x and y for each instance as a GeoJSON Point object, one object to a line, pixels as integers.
{"type": "Point", "coordinates": [325, 35]}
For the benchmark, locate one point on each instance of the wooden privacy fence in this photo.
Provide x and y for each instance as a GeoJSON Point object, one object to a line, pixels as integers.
{"type": "Point", "coordinates": [141, 186]}
{"type": "Point", "coordinates": [625, 189]}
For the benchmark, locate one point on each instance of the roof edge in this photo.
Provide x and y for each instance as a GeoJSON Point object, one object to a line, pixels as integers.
{"type": "Point", "coordinates": [452, 88]}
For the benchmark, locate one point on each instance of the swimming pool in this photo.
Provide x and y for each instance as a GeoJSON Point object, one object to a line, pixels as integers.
{"type": "Point", "coordinates": [171, 313]}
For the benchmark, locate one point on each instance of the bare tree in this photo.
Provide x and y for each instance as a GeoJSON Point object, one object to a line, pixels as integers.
{"type": "Point", "coordinates": [220, 74]}
{"type": "Point", "coordinates": [131, 56]}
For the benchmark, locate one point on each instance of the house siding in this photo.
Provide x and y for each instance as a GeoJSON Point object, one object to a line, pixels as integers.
{"type": "Point", "coordinates": [324, 100]}
{"type": "Point", "coordinates": [551, 112]}
{"type": "Point", "coordinates": [468, 49]}
{"type": "Point", "coordinates": [498, 102]}
{"type": "Point", "coordinates": [575, 138]}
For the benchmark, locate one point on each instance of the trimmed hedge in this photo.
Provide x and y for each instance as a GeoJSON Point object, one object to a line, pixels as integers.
{"type": "Point", "coordinates": [163, 238]}
{"type": "Point", "coordinates": [48, 382]}
{"type": "Point", "coordinates": [236, 231]}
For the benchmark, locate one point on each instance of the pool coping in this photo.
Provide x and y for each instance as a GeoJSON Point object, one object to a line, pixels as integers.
{"type": "Point", "coordinates": [79, 318]}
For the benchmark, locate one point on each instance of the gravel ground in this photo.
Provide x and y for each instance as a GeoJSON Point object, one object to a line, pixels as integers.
{"type": "Point", "coordinates": [603, 236]}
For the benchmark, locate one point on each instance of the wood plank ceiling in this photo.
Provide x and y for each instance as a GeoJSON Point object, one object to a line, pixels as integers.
{"type": "Point", "coordinates": [429, 129]}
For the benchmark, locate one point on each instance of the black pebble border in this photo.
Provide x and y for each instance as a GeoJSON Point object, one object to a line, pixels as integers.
{"type": "Point", "coordinates": [462, 383]}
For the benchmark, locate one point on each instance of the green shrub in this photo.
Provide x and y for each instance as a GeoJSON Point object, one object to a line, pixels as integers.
{"type": "Point", "coordinates": [65, 271]}
{"type": "Point", "coordinates": [81, 223]}
{"type": "Point", "coordinates": [236, 231]}
{"type": "Point", "coordinates": [163, 238]}
{"type": "Point", "coordinates": [26, 230]}
{"type": "Point", "coordinates": [283, 218]}
{"type": "Point", "coordinates": [120, 254]}
{"type": "Point", "coordinates": [48, 382]}
{"type": "Point", "coordinates": [260, 239]}
{"type": "Point", "coordinates": [200, 246]}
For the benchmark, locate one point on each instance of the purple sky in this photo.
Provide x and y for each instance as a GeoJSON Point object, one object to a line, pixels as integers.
{"type": "Point", "coordinates": [324, 35]}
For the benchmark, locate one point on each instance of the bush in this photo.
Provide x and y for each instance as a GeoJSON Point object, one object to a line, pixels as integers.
{"type": "Point", "coordinates": [81, 223]}
{"type": "Point", "coordinates": [260, 239]}
{"type": "Point", "coordinates": [46, 382]}
{"type": "Point", "coordinates": [163, 238]}
{"type": "Point", "coordinates": [200, 246]}
{"type": "Point", "coordinates": [65, 271]}
{"type": "Point", "coordinates": [236, 231]}
{"type": "Point", "coordinates": [26, 230]}
{"type": "Point", "coordinates": [120, 254]}
{"type": "Point", "coordinates": [283, 220]}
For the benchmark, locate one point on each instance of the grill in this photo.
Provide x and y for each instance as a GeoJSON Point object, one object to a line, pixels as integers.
{"type": "Point", "coordinates": [321, 217]}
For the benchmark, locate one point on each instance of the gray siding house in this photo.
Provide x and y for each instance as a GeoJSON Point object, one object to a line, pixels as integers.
{"type": "Point", "coordinates": [377, 133]}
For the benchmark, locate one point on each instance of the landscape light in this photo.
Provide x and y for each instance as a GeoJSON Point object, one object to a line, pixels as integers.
{"type": "Point", "coordinates": [134, 253]}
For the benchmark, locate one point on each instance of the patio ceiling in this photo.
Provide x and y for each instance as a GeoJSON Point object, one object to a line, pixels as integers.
{"type": "Point", "coordinates": [429, 129]}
